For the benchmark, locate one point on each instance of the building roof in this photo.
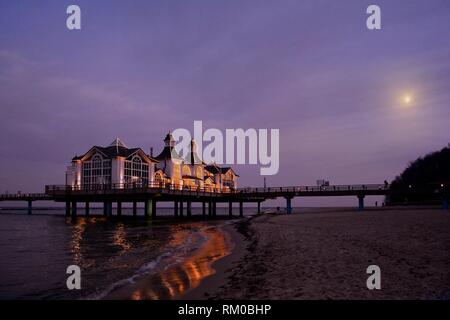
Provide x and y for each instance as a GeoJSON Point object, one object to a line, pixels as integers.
{"type": "Point", "coordinates": [213, 168]}
{"type": "Point", "coordinates": [168, 153]}
{"type": "Point", "coordinates": [116, 149]}
{"type": "Point", "coordinates": [161, 172]}
{"type": "Point", "coordinates": [224, 170]}
{"type": "Point", "coordinates": [169, 137]}
{"type": "Point", "coordinates": [192, 156]}
{"type": "Point", "coordinates": [208, 179]}
{"type": "Point", "coordinates": [117, 143]}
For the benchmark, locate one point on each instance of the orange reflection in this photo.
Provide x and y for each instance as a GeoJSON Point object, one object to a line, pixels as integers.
{"type": "Point", "coordinates": [77, 237]}
{"type": "Point", "coordinates": [119, 237]}
{"type": "Point", "coordinates": [75, 244]}
{"type": "Point", "coordinates": [176, 281]}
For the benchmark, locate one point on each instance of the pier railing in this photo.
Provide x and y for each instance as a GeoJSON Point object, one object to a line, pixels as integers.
{"type": "Point", "coordinates": [182, 189]}
{"type": "Point", "coordinates": [305, 189]}
{"type": "Point", "coordinates": [121, 186]}
{"type": "Point", "coordinates": [341, 190]}
{"type": "Point", "coordinates": [57, 191]}
{"type": "Point", "coordinates": [19, 196]}
{"type": "Point", "coordinates": [136, 188]}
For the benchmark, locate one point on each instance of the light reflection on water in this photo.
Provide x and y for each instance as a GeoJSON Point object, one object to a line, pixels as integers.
{"type": "Point", "coordinates": [36, 251]}
{"type": "Point", "coordinates": [77, 236]}
{"type": "Point", "coordinates": [79, 228]}
{"type": "Point", "coordinates": [120, 237]}
{"type": "Point", "coordinates": [175, 281]}
{"type": "Point", "coordinates": [182, 272]}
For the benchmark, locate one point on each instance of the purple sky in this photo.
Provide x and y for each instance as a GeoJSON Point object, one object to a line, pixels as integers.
{"type": "Point", "coordinates": [309, 68]}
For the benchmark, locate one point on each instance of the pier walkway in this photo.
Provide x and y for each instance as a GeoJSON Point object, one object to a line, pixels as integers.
{"type": "Point", "coordinates": [183, 197]}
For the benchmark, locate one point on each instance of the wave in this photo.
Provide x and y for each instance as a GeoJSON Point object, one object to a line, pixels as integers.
{"type": "Point", "coordinates": [186, 242]}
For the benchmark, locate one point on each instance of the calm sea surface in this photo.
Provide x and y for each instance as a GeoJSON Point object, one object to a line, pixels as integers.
{"type": "Point", "coordinates": [157, 260]}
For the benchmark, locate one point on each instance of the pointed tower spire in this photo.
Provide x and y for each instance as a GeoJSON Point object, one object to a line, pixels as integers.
{"type": "Point", "coordinates": [169, 140]}
{"type": "Point", "coordinates": [118, 143]}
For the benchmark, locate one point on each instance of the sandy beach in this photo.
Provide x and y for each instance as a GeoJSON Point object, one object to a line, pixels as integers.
{"type": "Point", "coordinates": [324, 254]}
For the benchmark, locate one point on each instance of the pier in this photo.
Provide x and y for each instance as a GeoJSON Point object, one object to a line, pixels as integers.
{"type": "Point", "coordinates": [183, 198]}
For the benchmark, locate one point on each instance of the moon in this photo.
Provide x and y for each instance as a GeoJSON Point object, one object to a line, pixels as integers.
{"type": "Point", "coordinates": [407, 99]}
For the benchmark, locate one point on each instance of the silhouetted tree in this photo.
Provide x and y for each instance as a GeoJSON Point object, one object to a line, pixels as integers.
{"type": "Point", "coordinates": [431, 172]}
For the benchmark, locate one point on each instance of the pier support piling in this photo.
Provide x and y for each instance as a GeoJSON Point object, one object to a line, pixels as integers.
{"type": "Point", "coordinates": [134, 208]}
{"type": "Point", "coordinates": [74, 209]}
{"type": "Point", "coordinates": [360, 203]}
{"type": "Point", "coordinates": [259, 207]}
{"type": "Point", "coordinates": [241, 209]}
{"type": "Point", "coordinates": [203, 209]}
{"type": "Point", "coordinates": [214, 209]}
{"type": "Point", "coordinates": [175, 208]}
{"type": "Point", "coordinates": [210, 209]}
{"type": "Point", "coordinates": [119, 208]}
{"type": "Point", "coordinates": [288, 205]}
{"type": "Point", "coordinates": [230, 209]}
{"type": "Point", "coordinates": [147, 208]}
{"type": "Point", "coordinates": [107, 208]}
{"type": "Point", "coordinates": [150, 208]}
{"type": "Point", "coordinates": [30, 206]}
{"type": "Point", "coordinates": [86, 209]}
{"type": "Point", "coordinates": [189, 208]}
{"type": "Point", "coordinates": [67, 209]}
{"type": "Point", "coordinates": [181, 208]}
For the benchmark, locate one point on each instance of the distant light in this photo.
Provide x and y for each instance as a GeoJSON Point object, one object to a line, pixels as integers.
{"type": "Point", "coordinates": [407, 99]}
{"type": "Point", "coordinates": [442, 185]}
{"type": "Point", "coordinates": [410, 186]}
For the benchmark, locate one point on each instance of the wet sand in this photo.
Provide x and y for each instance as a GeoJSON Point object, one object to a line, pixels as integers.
{"type": "Point", "coordinates": [223, 267]}
{"type": "Point", "coordinates": [180, 276]}
{"type": "Point", "coordinates": [324, 254]}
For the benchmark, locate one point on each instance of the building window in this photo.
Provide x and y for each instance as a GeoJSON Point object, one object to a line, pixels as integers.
{"type": "Point", "coordinates": [136, 171]}
{"type": "Point", "coordinates": [158, 178]}
{"type": "Point", "coordinates": [186, 171]}
{"type": "Point", "coordinates": [199, 172]}
{"type": "Point", "coordinates": [96, 171]}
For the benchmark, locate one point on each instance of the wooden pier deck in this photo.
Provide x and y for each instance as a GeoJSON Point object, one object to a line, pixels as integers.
{"type": "Point", "coordinates": [183, 197]}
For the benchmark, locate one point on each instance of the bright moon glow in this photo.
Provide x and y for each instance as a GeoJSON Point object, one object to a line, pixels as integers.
{"type": "Point", "coordinates": [406, 99]}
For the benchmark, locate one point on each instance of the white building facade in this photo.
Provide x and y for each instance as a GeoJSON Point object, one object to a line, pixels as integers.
{"type": "Point", "coordinates": [119, 166]}
{"type": "Point", "coordinates": [112, 165]}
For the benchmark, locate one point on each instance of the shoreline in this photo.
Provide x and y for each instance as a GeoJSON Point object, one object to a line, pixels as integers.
{"type": "Point", "coordinates": [210, 286]}
{"type": "Point", "coordinates": [183, 274]}
{"type": "Point", "coordinates": [324, 254]}
{"type": "Point", "coordinates": [314, 253]}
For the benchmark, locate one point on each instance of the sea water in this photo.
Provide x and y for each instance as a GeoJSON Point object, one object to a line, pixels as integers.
{"type": "Point", "coordinates": [159, 259]}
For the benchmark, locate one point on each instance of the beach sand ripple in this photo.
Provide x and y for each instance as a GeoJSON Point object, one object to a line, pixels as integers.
{"type": "Point", "coordinates": [324, 255]}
